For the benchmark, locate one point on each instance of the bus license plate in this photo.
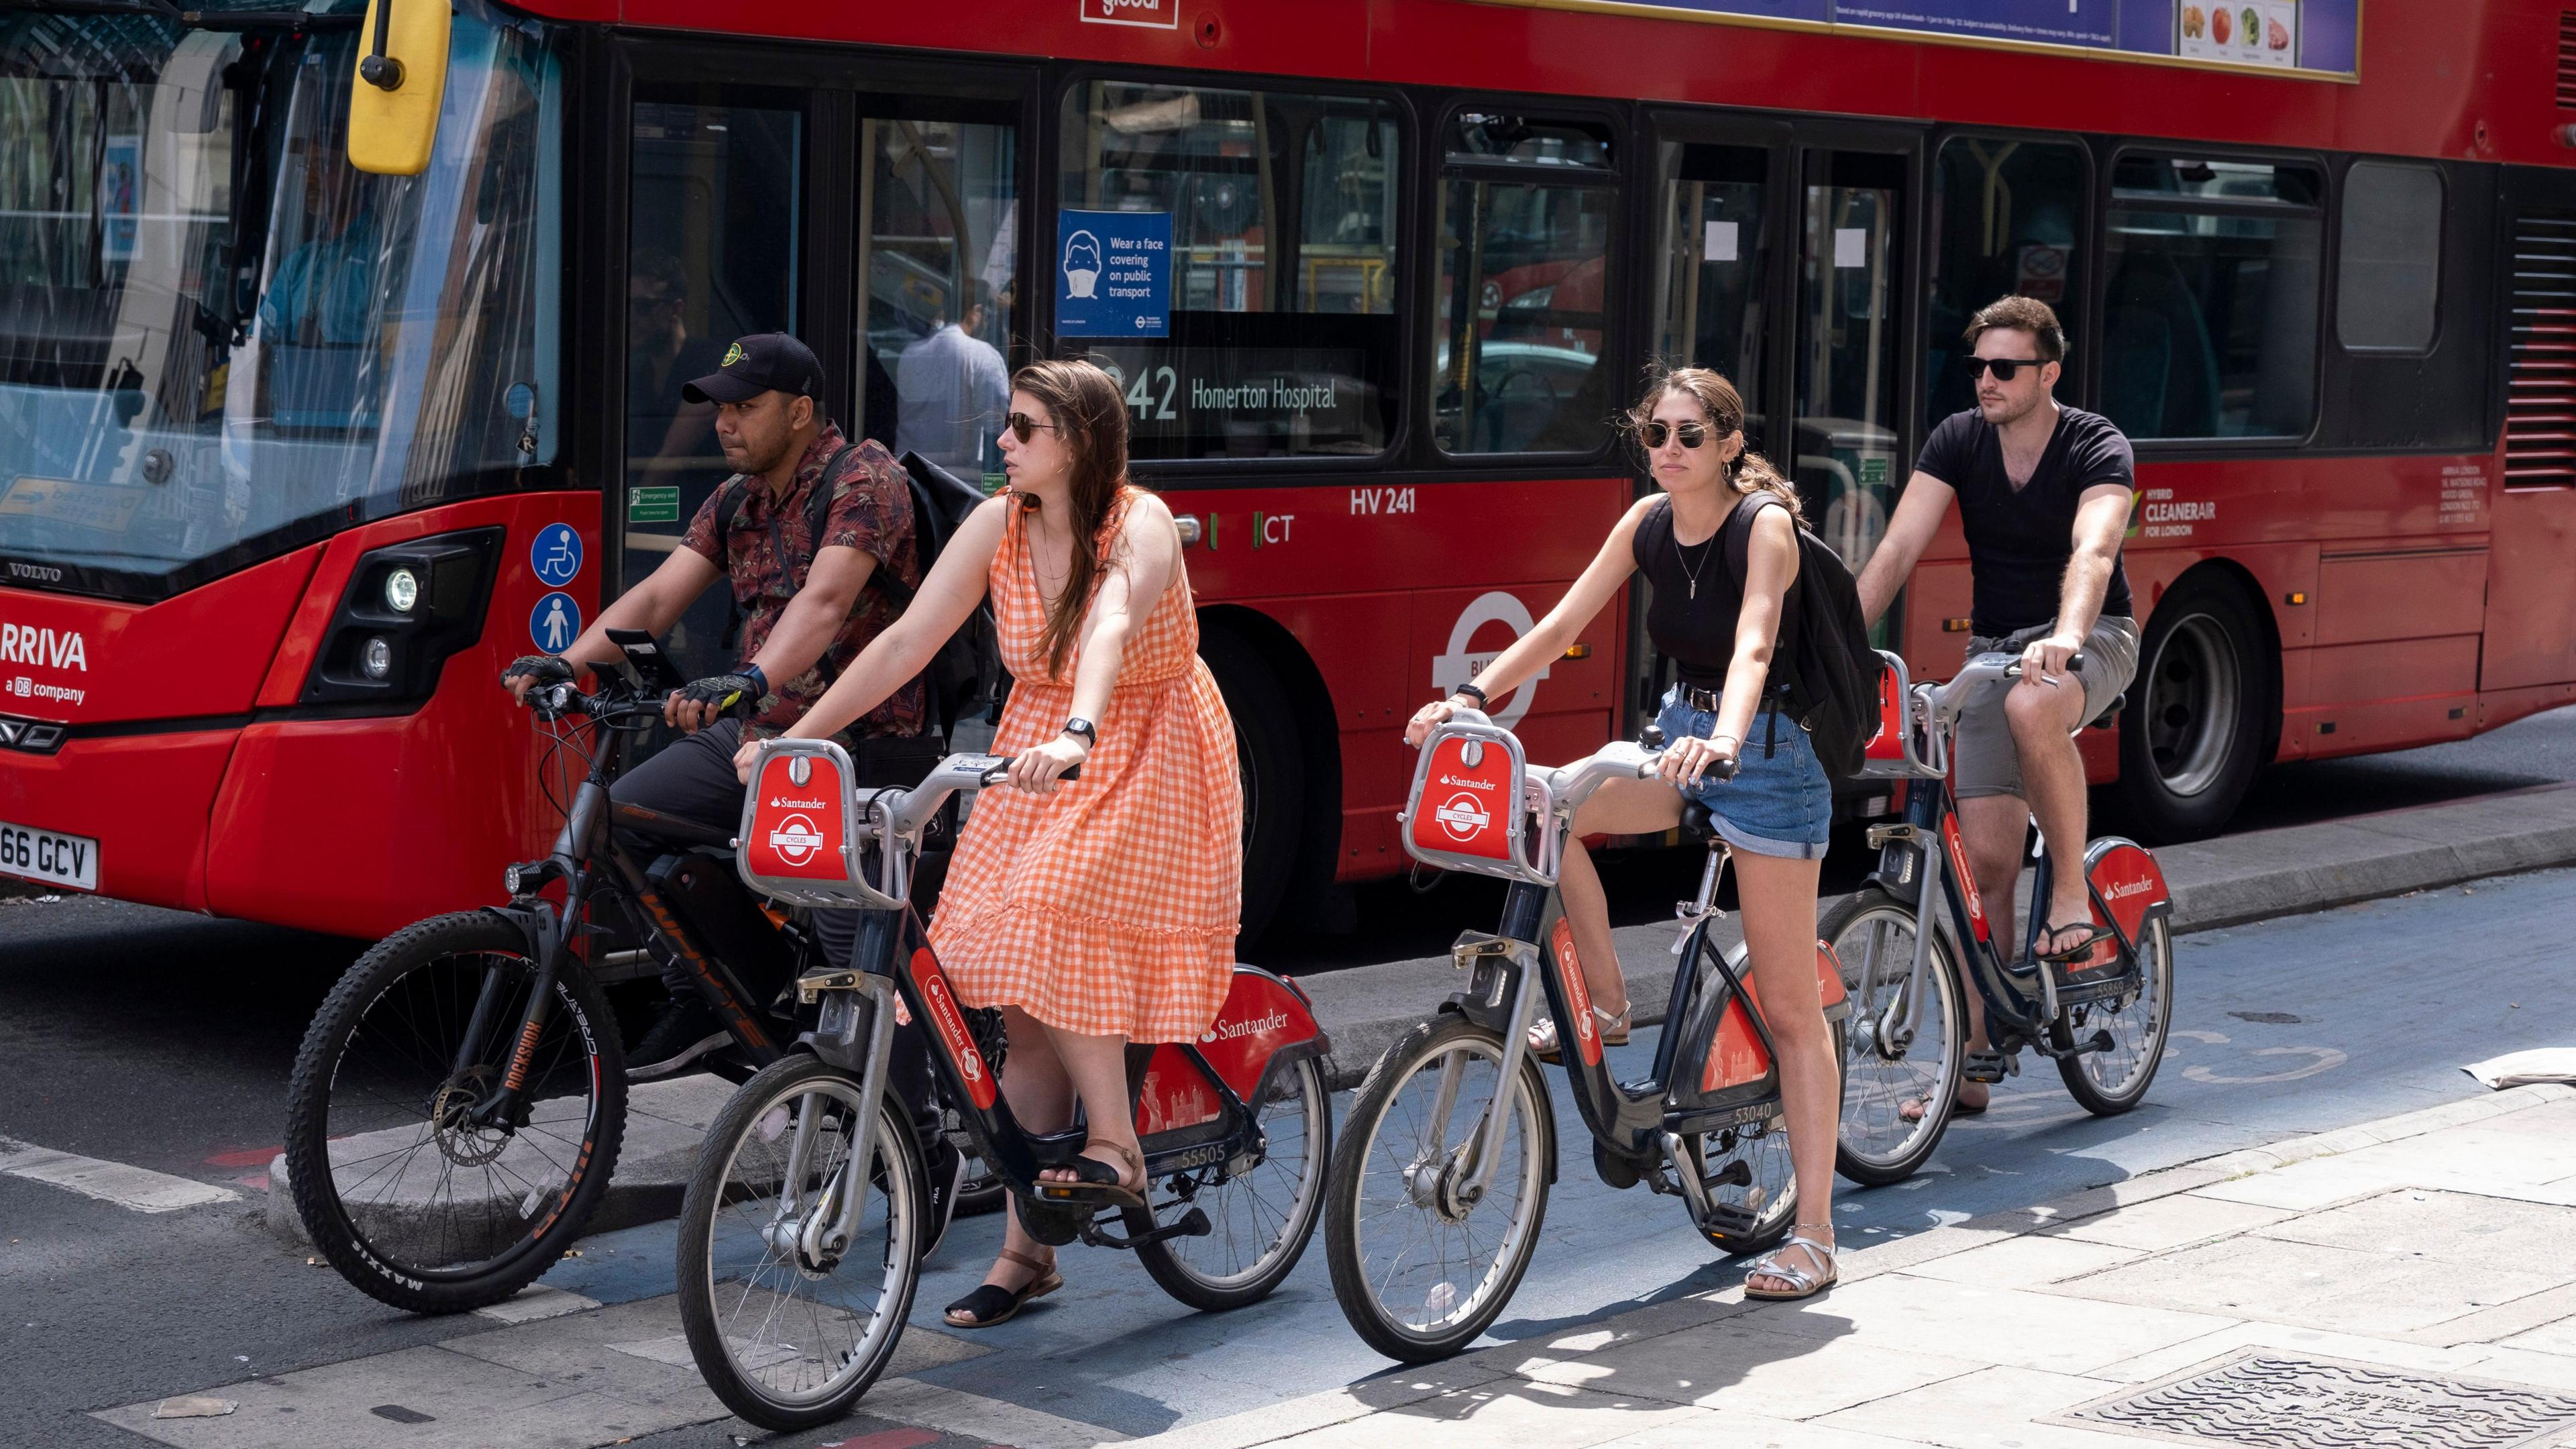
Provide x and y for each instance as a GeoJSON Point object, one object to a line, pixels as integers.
{"type": "Point", "coordinates": [48, 856]}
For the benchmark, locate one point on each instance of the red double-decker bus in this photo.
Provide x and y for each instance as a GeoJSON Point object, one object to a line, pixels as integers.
{"type": "Point", "coordinates": [294, 457]}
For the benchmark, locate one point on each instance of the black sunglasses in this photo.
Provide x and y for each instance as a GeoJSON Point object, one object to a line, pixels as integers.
{"type": "Point", "coordinates": [1021, 425]}
{"type": "Point", "coordinates": [1654, 433]}
{"type": "Point", "coordinates": [2003, 368]}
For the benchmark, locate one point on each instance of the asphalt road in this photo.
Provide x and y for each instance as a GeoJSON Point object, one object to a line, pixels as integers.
{"type": "Point", "coordinates": [2290, 1026]}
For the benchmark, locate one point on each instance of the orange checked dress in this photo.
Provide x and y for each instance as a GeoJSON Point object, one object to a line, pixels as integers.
{"type": "Point", "coordinates": [1110, 906]}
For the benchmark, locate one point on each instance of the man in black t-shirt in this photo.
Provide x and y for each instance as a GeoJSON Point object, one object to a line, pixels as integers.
{"type": "Point", "coordinates": [2043, 495]}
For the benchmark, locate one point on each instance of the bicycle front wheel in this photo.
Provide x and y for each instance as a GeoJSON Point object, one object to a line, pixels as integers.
{"type": "Point", "coordinates": [792, 1297]}
{"type": "Point", "coordinates": [1259, 1218]}
{"type": "Point", "coordinates": [1420, 1266]}
{"type": "Point", "coordinates": [399, 1181]}
{"type": "Point", "coordinates": [2111, 1081]}
{"type": "Point", "coordinates": [1897, 1094]}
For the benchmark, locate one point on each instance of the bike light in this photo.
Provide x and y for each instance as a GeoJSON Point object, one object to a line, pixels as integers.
{"type": "Point", "coordinates": [377, 658]}
{"type": "Point", "coordinates": [402, 590]}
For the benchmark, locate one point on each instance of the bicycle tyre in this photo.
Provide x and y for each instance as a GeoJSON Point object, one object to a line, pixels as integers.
{"type": "Point", "coordinates": [1171, 1262]}
{"type": "Point", "coordinates": [2148, 1017]}
{"type": "Point", "coordinates": [1533, 1134]}
{"type": "Point", "coordinates": [898, 1173]}
{"type": "Point", "coordinates": [379, 1260]}
{"type": "Point", "coordinates": [1868, 1094]}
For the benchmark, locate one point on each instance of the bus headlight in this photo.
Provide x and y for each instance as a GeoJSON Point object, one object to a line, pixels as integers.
{"type": "Point", "coordinates": [406, 609]}
{"type": "Point", "coordinates": [402, 590]}
{"type": "Point", "coordinates": [377, 658]}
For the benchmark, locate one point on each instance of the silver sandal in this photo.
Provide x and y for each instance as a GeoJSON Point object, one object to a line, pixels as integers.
{"type": "Point", "coordinates": [1805, 1284]}
{"type": "Point", "coordinates": [1544, 1045]}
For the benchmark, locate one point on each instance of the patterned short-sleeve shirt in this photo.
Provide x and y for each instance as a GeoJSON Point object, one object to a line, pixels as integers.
{"type": "Point", "coordinates": [872, 512]}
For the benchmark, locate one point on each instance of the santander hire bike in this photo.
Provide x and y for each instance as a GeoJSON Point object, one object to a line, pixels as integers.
{"type": "Point", "coordinates": [1441, 1182]}
{"type": "Point", "coordinates": [2102, 1017]}
{"type": "Point", "coordinates": [798, 1234]}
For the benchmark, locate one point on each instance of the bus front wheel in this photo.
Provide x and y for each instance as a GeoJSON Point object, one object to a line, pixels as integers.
{"type": "Point", "coordinates": [2192, 734]}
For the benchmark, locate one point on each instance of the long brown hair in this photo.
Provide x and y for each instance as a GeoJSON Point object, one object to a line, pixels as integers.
{"type": "Point", "coordinates": [1091, 416]}
{"type": "Point", "coordinates": [1750, 471]}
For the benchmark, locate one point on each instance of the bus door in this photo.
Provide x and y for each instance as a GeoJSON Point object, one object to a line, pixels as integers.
{"type": "Point", "coordinates": [869, 208]}
{"type": "Point", "coordinates": [1846, 439]}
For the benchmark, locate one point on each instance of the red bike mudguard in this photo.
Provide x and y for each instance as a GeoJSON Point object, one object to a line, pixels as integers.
{"type": "Point", "coordinates": [2126, 879]}
{"type": "Point", "coordinates": [1175, 1094]}
{"type": "Point", "coordinates": [1737, 1057]}
{"type": "Point", "coordinates": [1263, 1016]}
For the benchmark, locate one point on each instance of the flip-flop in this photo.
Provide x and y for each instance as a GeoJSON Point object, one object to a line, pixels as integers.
{"type": "Point", "coordinates": [1096, 1181]}
{"type": "Point", "coordinates": [2076, 954]}
{"type": "Point", "coordinates": [992, 1303]}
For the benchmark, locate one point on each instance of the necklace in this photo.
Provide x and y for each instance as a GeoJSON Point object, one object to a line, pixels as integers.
{"type": "Point", "coordinates": [1688, 571]}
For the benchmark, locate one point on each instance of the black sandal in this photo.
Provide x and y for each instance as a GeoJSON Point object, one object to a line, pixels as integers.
{"type": "Point", "coordinates": [2078, 953]}
{"type": "Point", "coordinates": [992, 1303]}
{"type": "Point", "coordinates": [1096, 1181]}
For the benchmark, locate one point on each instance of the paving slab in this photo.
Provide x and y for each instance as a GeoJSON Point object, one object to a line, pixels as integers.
{"type": "Point", "coordinates": [2007, 1326]}
{"type": "Point", "coordinates": [1737, 1368]}
{"type": "Point", "coordinates": [2172, 1222]}
{"type": "Point", "coordinates": [2028, 1262]}
{"type": "Point", "coordinates": [1516, 1414]}
{"type": "Point", "coordinates": [1985, 1410]}
{"type": "Point", "coordinates": [439, 1400]}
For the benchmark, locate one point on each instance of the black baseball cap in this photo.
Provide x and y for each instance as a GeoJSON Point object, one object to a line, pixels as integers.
{"type": "Point", "coordinates": [762, 362]}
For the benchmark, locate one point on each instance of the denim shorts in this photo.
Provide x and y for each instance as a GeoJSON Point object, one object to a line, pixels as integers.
{"type": "Point", "coordinates": [1779, 802]}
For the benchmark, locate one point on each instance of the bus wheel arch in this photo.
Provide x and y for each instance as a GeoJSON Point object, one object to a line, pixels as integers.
{"type": "Point", "coordinates": [1289, 746]}
{"type": "Point", "coordinates": [2203, 714]}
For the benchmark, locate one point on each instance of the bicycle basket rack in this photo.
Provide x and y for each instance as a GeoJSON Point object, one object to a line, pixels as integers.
{"type": "Point", "coordinates": [805, 828]}
{"type": "Point", "coordinates": [1472, 805]}
{"type": "Point", "coordinates": [1905, 744]}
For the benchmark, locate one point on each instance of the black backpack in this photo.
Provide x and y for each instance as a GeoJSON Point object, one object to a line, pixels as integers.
{"type": "Point", "coordinates": [963, 675]}
{"type": "Point", "coordinates": [1833, 681]}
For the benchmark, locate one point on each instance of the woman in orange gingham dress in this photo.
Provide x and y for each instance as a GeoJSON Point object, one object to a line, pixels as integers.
{"type": "Point", "coordinates": [1098, 911]}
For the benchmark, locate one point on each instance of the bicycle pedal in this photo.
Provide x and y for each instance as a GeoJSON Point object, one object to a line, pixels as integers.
{"type": "Point", "coordinates": [1727, 1220]}
{"type": "Point", "coordinates": [2099, 1041]}
{"type": "Point", "coordinates": [1988, 1067]}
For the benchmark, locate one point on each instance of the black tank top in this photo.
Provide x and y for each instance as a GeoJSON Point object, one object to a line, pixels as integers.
{"type": "Point", "coordinates": [1695, 626]}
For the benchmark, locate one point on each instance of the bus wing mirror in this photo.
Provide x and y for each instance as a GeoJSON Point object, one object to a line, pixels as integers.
{"type": "Point", "coordinates": [400, 82]}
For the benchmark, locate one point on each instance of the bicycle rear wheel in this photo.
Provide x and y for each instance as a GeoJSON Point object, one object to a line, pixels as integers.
{"type": "Point", "coordinates": [2108, 1083]}
{"type": "Point", "coordinates": [1419, 1272]}
{"type": "Point", "coordinates": [789, 1324]}
{"type": "Point", "coordinates": [404, 1193]}
{"type": "Point", "coordinates": [1259, 1219]}
{"type": "Point", "coordinates": [1897, 1098]}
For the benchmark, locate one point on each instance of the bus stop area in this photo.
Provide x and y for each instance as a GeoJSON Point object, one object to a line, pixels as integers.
{"type": "Point", "coordinates": [2318, 1211]}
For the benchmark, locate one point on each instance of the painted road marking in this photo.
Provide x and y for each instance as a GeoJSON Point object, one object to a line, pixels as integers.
{"type": "Point", "coordinates": [140, 1189]}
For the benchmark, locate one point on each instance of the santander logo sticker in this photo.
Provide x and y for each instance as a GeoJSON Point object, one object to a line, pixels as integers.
{"type": "Point", "coordinates": [952, 1028]}
{"type": "Point", "coordinates": [1234, 1030]}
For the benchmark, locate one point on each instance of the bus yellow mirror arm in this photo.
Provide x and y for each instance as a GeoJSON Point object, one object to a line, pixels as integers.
{"type": "Point", "coordinates": [384, 72]}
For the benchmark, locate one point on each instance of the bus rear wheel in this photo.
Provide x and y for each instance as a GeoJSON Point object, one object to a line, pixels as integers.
{"type": "Point", "coordinates": [2192, 734]}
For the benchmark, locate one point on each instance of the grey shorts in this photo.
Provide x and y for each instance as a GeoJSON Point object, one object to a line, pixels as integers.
{"type": "Point", "coordinates": [1983, 760]}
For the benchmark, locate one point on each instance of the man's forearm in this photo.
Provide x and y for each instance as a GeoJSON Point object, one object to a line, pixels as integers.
{"type": "Point", "coordinates": [2079, 601]}
{"type": "Point", "coordinates": [805, 629]}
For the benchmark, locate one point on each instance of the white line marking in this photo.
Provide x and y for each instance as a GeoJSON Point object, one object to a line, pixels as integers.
{"type": "Point", "coordinates": [138, 1188]}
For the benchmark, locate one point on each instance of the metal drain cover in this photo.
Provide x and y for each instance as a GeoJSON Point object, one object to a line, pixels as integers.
{"type": "Point", "coordinates": [2274, 1400]}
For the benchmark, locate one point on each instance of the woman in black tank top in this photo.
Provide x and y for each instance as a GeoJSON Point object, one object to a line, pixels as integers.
{"type": "Point", "coordinates": [1718, 544]}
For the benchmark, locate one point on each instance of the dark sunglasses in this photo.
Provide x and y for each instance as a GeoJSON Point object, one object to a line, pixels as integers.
{"type": "Point", "coordinates": [1021, 425]}
{"type": "Point", "coordinates": [1691, 434]}
{"type": "Point", "coordinates": [2004, 368]}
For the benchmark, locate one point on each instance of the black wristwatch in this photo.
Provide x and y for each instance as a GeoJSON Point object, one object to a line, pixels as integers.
{"type": "Point", "coordinates": [1090, 732]}
{"type": "Point", "coordinates": [1481, 700]}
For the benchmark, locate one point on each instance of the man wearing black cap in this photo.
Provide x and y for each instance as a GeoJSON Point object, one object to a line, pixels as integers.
{"type": "Point", "coordinates": [800, 564]}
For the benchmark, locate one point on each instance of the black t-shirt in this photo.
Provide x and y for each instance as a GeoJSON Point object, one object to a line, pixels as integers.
{"type": "Point", "coordinates": [1698, 598]}
{"type": "Point", "coordinates": [2019, 539]}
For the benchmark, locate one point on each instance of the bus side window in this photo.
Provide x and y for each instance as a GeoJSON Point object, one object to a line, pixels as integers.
{"type": "Point", "coordinates": [2389, 297]}
{"type": "Point", "coordinates": [2211, 318]}
{"type": "Point", "coordinates": [2007, 220]}
{"type": "Point", "coordinates": [1524, 232]}
{"type": "Point", "coordinates": [1713, 267]}
{"type": "Point", "coordinates": [1278, 210]}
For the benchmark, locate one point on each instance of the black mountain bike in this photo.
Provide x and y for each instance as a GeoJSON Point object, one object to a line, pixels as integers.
{"type": "Point", "coordinates": [2103, 1018]}
{"type": "Point", "coordinates": [459, 1101]}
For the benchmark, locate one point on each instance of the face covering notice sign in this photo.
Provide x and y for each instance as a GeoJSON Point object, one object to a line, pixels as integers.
{"type": "Point", "coordinates": [1113, 274]}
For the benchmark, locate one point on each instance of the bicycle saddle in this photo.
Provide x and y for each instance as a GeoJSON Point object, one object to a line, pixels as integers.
{"type": "Point", "coordinates": [1696, 823]}
{"type": "Point", "coordinates": [2110, 714]}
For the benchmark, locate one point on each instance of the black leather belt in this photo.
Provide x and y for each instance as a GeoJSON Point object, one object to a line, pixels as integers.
{"type": "Point", "coordinates": [1706, 700]}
